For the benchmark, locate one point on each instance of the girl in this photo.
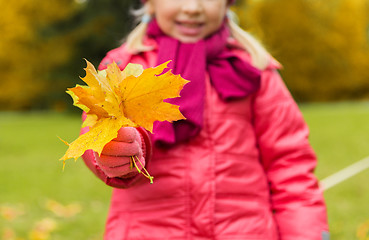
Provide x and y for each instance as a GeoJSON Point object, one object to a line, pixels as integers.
{"type": "Point", "coordinates": [239, 167]}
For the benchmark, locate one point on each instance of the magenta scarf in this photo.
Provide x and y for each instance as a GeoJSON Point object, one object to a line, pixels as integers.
{"type": "Point", "coordinates": [232, 78]}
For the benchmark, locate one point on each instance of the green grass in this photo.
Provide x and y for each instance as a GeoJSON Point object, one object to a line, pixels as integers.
{"type": "Point", "coordinates": [339, 133]}
{"type": "Point", "coordinates": [31, 175]}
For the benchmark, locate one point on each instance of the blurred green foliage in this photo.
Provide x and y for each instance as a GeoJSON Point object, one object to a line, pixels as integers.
{"type": "Point", "coordinates": [323, 45]}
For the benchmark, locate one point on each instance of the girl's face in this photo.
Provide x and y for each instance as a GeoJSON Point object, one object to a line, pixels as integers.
{"type": "Point", "coordinates": [189, 20]}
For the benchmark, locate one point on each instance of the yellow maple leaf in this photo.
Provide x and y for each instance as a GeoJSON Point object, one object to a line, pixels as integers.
{"type": "Point", "coordinates": [129, 98]}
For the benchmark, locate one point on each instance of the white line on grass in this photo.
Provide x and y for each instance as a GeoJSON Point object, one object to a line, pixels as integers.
{"type": "Point", "coordinates": [344, 174]}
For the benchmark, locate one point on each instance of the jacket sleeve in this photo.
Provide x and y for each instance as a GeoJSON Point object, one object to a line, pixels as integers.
{"type": "Point", "coordinates": [289, 162]}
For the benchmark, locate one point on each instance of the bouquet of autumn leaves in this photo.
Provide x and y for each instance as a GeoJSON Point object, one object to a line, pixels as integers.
{"type": "Point", "coordinates": [114, 99]}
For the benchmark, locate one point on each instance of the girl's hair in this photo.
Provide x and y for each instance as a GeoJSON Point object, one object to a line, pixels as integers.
{"type": "Point", "coordinates": [259, 56]}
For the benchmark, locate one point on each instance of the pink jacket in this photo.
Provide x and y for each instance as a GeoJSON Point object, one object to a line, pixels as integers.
{"type": "Point", "coordinates": [247, 175]}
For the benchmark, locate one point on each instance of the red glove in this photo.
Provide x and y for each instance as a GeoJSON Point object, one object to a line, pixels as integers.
{"type": "Point", "coordinates": [115, 158]}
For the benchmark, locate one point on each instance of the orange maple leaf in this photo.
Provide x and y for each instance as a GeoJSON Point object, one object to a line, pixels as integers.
{"type": "Point", "coordinates": [129, 98]}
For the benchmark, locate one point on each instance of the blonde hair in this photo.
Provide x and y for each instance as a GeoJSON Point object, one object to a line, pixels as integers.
{"type": "Point", "coordinates": [259, 56]}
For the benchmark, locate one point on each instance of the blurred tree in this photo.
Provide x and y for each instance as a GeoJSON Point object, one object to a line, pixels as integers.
{"type": "Point", "coordinates": [98, 27]}
{"type": "Point", "coordinates": [323, 45]}
{"type": "Point", "coordinates": [24, 57]}
{"type": "Point", "coordinates": [43, 44]}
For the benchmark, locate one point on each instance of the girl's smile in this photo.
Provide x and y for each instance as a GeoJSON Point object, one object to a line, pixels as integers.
{"type": "Point", "coordinates": [188, 20]}
{"type": "Point", "coordinates": [190, 28]}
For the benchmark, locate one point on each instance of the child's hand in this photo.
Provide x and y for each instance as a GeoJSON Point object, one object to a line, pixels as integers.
{"type": "Point", "coordinates": [115, 158]}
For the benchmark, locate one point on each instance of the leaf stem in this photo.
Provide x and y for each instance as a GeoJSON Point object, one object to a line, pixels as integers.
{"type": "Point", "coordinates": [144, 172]}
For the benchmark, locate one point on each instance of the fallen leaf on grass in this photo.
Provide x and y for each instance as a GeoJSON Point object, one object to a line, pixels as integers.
{"type": "Point", "coordinates": [61, 210]}
{"type": "Point", "coordinates": [362, 232]}
{"type": "Point", "coordinates": [8, 234]}
{"type": "Point", "coordinates": [43, 229]}
{"type": "Point", "coordinates": [9, 212]}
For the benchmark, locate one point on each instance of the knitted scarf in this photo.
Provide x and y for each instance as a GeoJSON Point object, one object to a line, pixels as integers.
{"type": "Point", "coordinates": [232, 78]}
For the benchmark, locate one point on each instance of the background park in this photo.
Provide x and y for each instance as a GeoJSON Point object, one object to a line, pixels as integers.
{"type": "Point", "coordinates": [322, 45]}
